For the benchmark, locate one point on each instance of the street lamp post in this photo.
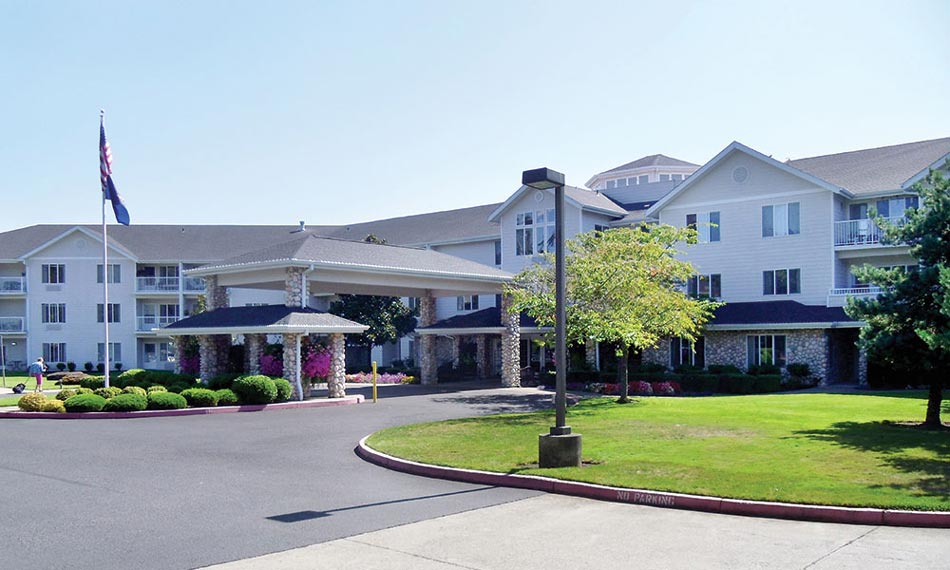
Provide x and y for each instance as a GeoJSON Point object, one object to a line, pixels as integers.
{"type": "Point", "coordinates": [559, 447]}
{"type": "Point", "coordinates": [3, 360]}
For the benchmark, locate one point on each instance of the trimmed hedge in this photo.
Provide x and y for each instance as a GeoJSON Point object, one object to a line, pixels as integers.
{"type": "Point", "coordinates": [135, 390]}
{"type": "Point", "coordinates": [53, 406]}
{"type": "Point", "coordinates": [200, 397]}
{"type": "Point", "coordinates": [128, 402]}
{"type": "Point", "coordinates": [284, 389]}
{"type": "Point", "coordinates": [736, 384]}
{"type": "Point", "coordinates": [767, 383]}
{"type": "Point", "coordinates": [255, 389]}
{"type": "Point", "coordinates": [32, 402]}
{"type": "Point", "coordinates": [166, 401]}
{"type": "Point", "coordinates": [110, 392]}
{"type": "Point", "coordinates": [222, 381]}
{"type": "Point", "coordinates": [92, 382]}
{"type": "Point", "coordinates": [227, 397]}
{"type": "Point", "coordinates": [66, 394]}
{"type": "Point", "coordinates": [85, 403]}
{"type": "Point", "coordinates": [156, 388]}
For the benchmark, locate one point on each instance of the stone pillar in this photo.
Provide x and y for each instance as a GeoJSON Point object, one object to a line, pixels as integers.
{"type": "Point", "coordinates": [510, 345]}
{"type": "Point", "coordinates": [179, 342]}
{"type": "Point", "coordinates": [295, 287]}
{"type": "Point", "coordinates": [481, 356]}
{"type": "Point", "coordinates": [290, 363]}
{"type": "Point", "coordinates": [213, 349]}
{"type": "Point", "coordinates": [253, 351]}
{"type": "Point", "coordinates": [862, 368]}
{"type": "Point", "coordinates": [427, 360]}
{"type": "Point", "coordinates": [590, 353]}
{"type": "Point", "coordinates": [336, 380]}
{"type": "Point", "coordinates": [215, 297]}
{"type": "Point", "coordinates": [456, 350]}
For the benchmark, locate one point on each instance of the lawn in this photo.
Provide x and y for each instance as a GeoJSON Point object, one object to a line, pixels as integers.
{"type": "Point", "coordinates": [829, 449]}
{"type": "Point", "coordinates": [14, 378]}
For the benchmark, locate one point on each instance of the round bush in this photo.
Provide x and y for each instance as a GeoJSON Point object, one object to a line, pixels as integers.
{"type": "Point", "coordinates": [134, 390]}
{"type": "Point", "coordinates": [156, 388]}
{"type": "Point", "coordinates": [110, 392]}
{"type": "Point", "coordinates": [128, 402]}
{"type": "Point", "coordinates": [255, 389]}
{"type": "Point", "coordinates": [284, 389]}
{"type": "Point", "coordinates": [54, 406]}
{"type": "Point", "coordinates": [66, 394]}
{"type": "Point", "coordinates": [227, 397]}
{"type": "Point", "coordinates": [83, 391]}
{"type": "Point", "coordinates": [200, 397]}
{"type": "Point", "coordinates": [178, 387]}
{"type": "Point", "coordinates": [92, 382]}
{"type": "Point", "coordinates": [222, 381]}
{"type": "Point", "coordinates": [85, 403]}
{"type": "Point", "coordinates": [166, 401]}
{"type": "Point", "coordinates": [32, 402]}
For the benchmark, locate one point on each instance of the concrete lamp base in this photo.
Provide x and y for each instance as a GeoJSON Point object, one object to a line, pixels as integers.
{"type": "Point", "coordinates": [556, 450]}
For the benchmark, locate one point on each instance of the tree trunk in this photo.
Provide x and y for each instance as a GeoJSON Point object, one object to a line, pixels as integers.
{"type": "Point", "coordinates": [623, 385]}
{"type": "Point", "coordinates": [933, 405]}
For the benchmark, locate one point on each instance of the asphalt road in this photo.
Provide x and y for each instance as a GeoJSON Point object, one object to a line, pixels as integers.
{"type": "Point", "coordinates": [184, 492]}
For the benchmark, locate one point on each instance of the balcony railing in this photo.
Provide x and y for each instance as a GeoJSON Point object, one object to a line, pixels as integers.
{"type": "Point", "coordinates": [12, 285]}
{"type": "Point", "coordinates": [861, 232]}
{"type": "Point", "coordinates": [157, 284]}
{"type": "Point", "coordinates": [194, 285]}
{"type": "Point", "coordinates": [856, 291]}
{"type": "Point", "coordinates": [11, 324]}
{"type": "Point", "coordinates": [148, 323]}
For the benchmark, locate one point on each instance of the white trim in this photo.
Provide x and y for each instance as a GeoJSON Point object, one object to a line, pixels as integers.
{"type": "Point", "coordinates": [619, 212]}
{"type": "Point", "coordinates": [480, 330]}
{"type": "Point", "coordinates": [463, 241]}
{"type": "Point", "coordinates": [267, 329]}
{"type": "Point", "coordinates": [936, 165]}
{"type": "Point", "coordinates": [88, 233]}
{"type": "Point", "coordinates": [786, 326]}
{"type": "Point", "coordinates": [744, 200]}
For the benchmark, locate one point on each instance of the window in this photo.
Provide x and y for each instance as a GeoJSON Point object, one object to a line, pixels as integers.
{"type": "Point", "coordinates": [664, 177]}
{"type": "Point", "coordinates": [114, 313]}
{"type": "Point", "coordinates": [611, 184]}
{"type": "Point", "coordinates": [53, 312]}
{"type": "Point", "coordinates": [413, 303]}
{"type": "Point", "coordinates": [157, 353]}
{"type": "Point", "coordinates": [677, 177]}
{"type": "Point", "coordinates": [782, 282]}
{"type": "Point", "coordinates": [705, 286]}
{"type": "Point", "coordinates": [54, 351]}
{"type": "Point", "coordinates": [498, 300]}
{"type": "Point", "coordinates": [115, 273]}
{"type": "Point", "coordinates": [766, 349]}
{"type": "Point", "coordinates": [534, 232]}
{"type": "Point", "coordinates": [54, 273]}
{"type": "Point", "coordinates": [467, 302]}
{"type": "Point", "coordinates": [684, 352]}
{"type": "Point", "coordinates": [895, 207]}
{"type": "Point", "coordinates": [498, 252]}
{"type": "Point", "coordinates": [524, 234]}
{"type": "Point", "coordinates": [644, 179]}
{"type": "Point", "coordinates": [115, 352]}
{"type": "Point", "coordinates": [781, 220]}
{"type": "Point", "coordinates": [601, 228]}
{"type": "Point", "coordinates": [706, 225]}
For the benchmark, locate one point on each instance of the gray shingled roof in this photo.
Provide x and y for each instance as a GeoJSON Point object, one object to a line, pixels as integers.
{"type": "Point", "coordinates": [652, 160]}
{"type": "Point", "coordinates": [267, 318]}
{"type": "Point", "coordinates": [435, 227]}
{"type": "Point", "coordinates": [640, 193]}
{"type": "Point", "coordinates": [595, 200]}
{"type": "Point", "coordinates": [777, 312]}
{"type": "Point", "coordinates": [333, 252]}
{"type": "Point", "coordinates": [876, 169]}
{"type": "Point", "coordinates": [483, 319]}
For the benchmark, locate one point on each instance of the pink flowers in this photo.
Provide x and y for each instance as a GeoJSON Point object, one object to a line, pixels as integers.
{"type": "Point", "coordinates": [317, 363]}
{"type": "Point", "coordinates": [272, 366]}
{"type": "Point", "coordinates": [190, 364]}
{"type": "Point", "coordinates": [388, 378]}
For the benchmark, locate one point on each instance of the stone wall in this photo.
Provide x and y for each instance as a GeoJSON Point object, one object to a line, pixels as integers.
{"type": "Point", "coordinates": [253, 351]}
{"type": "Point", "coordinates": [179, 342]}
{"type": "Point", "coordinates": [290, 364]}
{"type": "Point", "coordinates": [336, 380]}
{"type": "Point", "coordinates": [481, 356]}
{"type": "Point", "coordinates": [215, 297]}
{"type": "Point", "coordinates": [808, 346]}
{"type": "Point", "coordinates": [214, 355]}
{"type": "Point", "coordinates": [659, 354]}
{"type": "Point", "coordinates": [295, 287]}
{"type": "Point", "coordinates": [427, 356]}
{"type": "Point", "coordinates": [510, 345]}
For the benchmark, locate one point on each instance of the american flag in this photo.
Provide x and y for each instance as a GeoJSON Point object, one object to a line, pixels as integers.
{"type": "Point", "coordinates": [105, 175]}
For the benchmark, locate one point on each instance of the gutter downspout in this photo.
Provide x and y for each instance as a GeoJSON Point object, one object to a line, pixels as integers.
{"type": "Point", "coordinates": [304, 297]}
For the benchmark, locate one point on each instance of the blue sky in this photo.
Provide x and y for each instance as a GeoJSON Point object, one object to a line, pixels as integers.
{"type": "Point", "coordinates": [338, 112]}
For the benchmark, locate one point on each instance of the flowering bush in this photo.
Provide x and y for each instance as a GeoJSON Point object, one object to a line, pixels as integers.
{"type": "Point", "coordinates": [317, 363]}
{"type": "Point", "coordinates": [190, 364]}
{"type": "Point", "coordinates": [272, 366]}
{"type": "Point", "coordinates": [388, 378]}
{"type": "Point", "coordinates": [642, 388]}
{"type": "Point", "coordinates": [663, 389]}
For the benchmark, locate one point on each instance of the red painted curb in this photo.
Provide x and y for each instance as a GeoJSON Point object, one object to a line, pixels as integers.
{"type": "Point", "coordinates": [814, 513]}
{"type": "Point", "coordinates": [346, 401]}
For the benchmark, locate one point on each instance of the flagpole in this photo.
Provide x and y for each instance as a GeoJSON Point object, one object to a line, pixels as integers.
{"type": "Point", "coordinates": [105, 279]}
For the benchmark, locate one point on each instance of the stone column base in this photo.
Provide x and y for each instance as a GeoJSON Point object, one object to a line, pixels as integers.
{"type": "Point", "coordinates": [559, 450]}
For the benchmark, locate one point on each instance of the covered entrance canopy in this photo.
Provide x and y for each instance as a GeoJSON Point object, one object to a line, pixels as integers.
{"type": "Point", "coordinates": [312, 265]}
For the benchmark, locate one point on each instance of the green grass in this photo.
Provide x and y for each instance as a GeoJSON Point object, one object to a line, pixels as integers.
{"type": "Point", "coordinates": [829, 449]}
{"type": "Point", "coordinates": [14, 378]}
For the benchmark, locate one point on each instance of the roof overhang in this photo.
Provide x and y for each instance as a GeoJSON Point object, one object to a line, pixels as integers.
{"type": "Point", "coordinates": [90, 234]}
{"type": "Point", "coordinates": [942, 162]}
{"type": "Point", "coordinates": [480, 330]}
{"type": "Point", "coordinates": [495, 216]}
{"type": "Point", "coordinates": [785, 326]}
{"type": "Point", "coordinates": [266, 329]}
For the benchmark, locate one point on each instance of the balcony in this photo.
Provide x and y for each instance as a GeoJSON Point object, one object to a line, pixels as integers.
{"type": "Point", "coordinates": [147, 323]}
{"type": "Point", "coordinates": [12, 286]}
{"type": "Point", "coordinates": [194, 285]}
{"type": "Point", "coordinates": [861, 232]}
{"type": "Point", "coordinates": [11, 325]}
{"type": "Point", "coordinates": [157, 284]}
{"type": "Point", "coordinates": [839, 295]}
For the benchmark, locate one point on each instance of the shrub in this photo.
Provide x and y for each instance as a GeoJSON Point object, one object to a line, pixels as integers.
{"type": "Point", "coordinates": [60, 366]}
{"type": "Point", "coordinates": [798, 370]}
{"type": "Point", "coordinates": [92, 382]}
{"type": "Point", "coordinates": [83, 391]}
{"type": "Point", "coordinates": [166, 401]}
{"type": "Point", "coordinates": [226, 397]}
{"type": "Point", "coordinates": [640, 387]}
{"type": "Point", "coordinates": [71, 366]}
{"type": "Point", "coordinates": [85, 403]}
{"type": "Point", "coordinates": [284, 389]}
{"type": "Point", "coordinates": [200, 397]}
{"type": "Point", "coordinates": [127, 402]}
{"type": "Point", "coordinates": [32, 402]}
{"type": "Point", "coordinates": [723, 369]}
{"type": "Point", "coordinates": [156, 388]}
{"type": "Point", "coordinates": [118, 366]}
{"type": "Point", "coordinates": [134, 390]}
{"type": "Point", "coordinates": [100, 368]}
{"type": "Point", "coordinates": [764, 369]}
{"type": "Point", "coordinates": [88, 367]}
{"type": "Point", "coordinates": [110, 392]}
{"type": "Point", "coordinates": [663, 388]}
{"type": "Point", "coordinates": [66, 394]}
{"type": "Point", "coordinates": [650, 368]}
{"type": "Point", "coordinates": [271, 365]}
{"type": "Point", "coordinates": [767, 383]}
{"type": "Point", "coordinates": [53, 406]}
{"type": "Point", "coordinates": [179, 387]}
{"type": "Point", "coordinates": [736, 383]}
{"type": "Point", "coordinates": [132, 374]}
{"type": "Point", "coordinates": [222, 381]}
{"type": "Point", "coordinates": [255, 389]}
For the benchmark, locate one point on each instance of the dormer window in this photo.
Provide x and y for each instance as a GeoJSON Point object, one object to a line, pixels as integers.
{"type": "Point", "coordinates": [534, 232]}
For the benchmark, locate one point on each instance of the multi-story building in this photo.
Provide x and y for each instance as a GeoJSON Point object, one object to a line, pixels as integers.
{"type": "Point", "coordinates": [778, 241]}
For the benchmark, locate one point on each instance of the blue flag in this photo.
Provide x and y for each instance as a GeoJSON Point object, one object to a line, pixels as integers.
{"type": "Point", "coordinates": [105, 175]}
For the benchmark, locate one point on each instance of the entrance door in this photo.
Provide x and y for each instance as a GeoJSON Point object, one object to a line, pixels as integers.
{"type": "Point", "coordinates": [843, 353]}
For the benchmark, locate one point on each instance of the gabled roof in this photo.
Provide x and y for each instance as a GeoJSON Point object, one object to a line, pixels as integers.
{"type": "Point", "coordinates": [452, 226]}
{"type": "Point", "coordinates": [735, 147]}
{"type": "Point", "coordinates": [874, 170]}
{"type": "Point", "coordinates": [778, 314]}
{"type": "Point", "coordinates": [95, 236]}
{"type": "Point", "coordinates": [332, 253]}
{"type": "Point", "coordinates": [273, 319]}
{"type": "Point", "coordinates": [655, 160]}
{"type": "Point", "coordinates": [483, 321]}
{"type": "Point", "coordinates": [586, 200]}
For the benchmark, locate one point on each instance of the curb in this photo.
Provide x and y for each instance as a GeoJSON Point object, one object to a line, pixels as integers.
{"type": "Point", "coordinates": [345, 401]}
{"type": "Point", "coordinates": [814, 513]}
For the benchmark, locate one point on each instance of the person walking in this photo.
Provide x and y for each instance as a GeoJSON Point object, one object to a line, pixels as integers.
{"type": "Point", "coordinates": [36, 370]}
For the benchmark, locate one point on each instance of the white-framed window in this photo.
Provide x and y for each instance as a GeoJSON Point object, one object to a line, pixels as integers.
{"type": "Point", "coordinates": [781, 219]}
{"type": "Point", "coordinates": [706, 225]}
{"type": "Point", "coordinates": [412, 303]}
{"type": "Point", "coordinates": [895, 207]}
{"type": "Point", "coordinates": [115, 273]}
{"type": "Point", "coordinates": [677, 177]}
{"type": "Point", "coordinates": [54, 351]}
{"type": "Point", "coordinates": [115, 352]}
{"type": "Point", "coordinates": [158, 353]}
{"type": "Point", "coordinates": [685, 352]}
{"type": "Point", "coordinates": [664, 177]}
{"type": "Point", "coordinates": [54, 273]}
{"type": "Point", "coordinates": [766, 349]}
{"type": "Point", "coordinates": [705, 286]}
{"type": "Point", "coordinates": [643, 179]}
{"type": "Point", "coordinates": [611, 184]}
{"type": "Point", "coordinates": [781, 281]}
{"type": "Point", "coordinates": [115, 314]}
{"type": "Point", "coordinates": [497, 252]}
{"type": "Point", "coordinates": [534, 232]}
{"type": "Point", "coordinates": [467, 302]}
{"type": "Point", "coordinates": [53, 312]}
